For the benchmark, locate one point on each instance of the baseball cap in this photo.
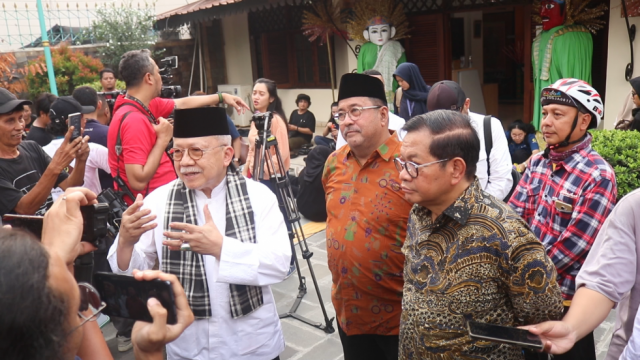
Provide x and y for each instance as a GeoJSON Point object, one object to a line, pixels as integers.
{"type": "Point", "coordinates": [445, 95]}
{"type": "Point", "coordinates": [65, 106]}
{"type": "Point", "coordinates": [9, 102]}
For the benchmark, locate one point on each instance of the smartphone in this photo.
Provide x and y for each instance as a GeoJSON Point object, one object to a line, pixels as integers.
{"type": "Point", "coordinates": [29, 223]}
{"type": "Point", "coordinates": [504, 334]}
{"type": "Point", "coordinates": [127, 297]}
{"type": "Point", "coordinates": [75, 120]}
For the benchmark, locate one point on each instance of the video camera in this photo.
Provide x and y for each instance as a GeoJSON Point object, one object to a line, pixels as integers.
{"type": "Point", "coordinates": [169, 91]}
{"type": "Point", "coordinates": [262, 121]}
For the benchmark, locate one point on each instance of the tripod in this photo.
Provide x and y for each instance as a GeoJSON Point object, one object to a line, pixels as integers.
{"type": "Point", "coordinates": [265, 142]}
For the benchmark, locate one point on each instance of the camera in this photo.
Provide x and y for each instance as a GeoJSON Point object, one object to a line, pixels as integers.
{"type": "Point", "coordinates": [169, 91]}
{"type": "Point", "coordinates": [262, 121]}
{"type": "Point", "coordinates": [117, 206]}
{"type": "Point", "coordinates": [111, 96]}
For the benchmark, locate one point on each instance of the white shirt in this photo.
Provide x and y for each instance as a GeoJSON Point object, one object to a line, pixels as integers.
{"type": "Point", "coordinates": [98, 159]}
{"type": "Point", "coordinates": [500, 182]}
{"type": "Point", "coordinates": [395, 123]}
{"type": "Point", "coordinates": [255, 336]}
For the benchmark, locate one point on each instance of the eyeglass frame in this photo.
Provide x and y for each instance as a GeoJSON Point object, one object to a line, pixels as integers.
{"type": "Point", "coordinates": [187, 151]}
{"type": "Point", "coordinates": [403, 166]}
{"type": "Point", "coordinates": [336, 117]}
{"type": "Point", "coordinates": [93, 316]}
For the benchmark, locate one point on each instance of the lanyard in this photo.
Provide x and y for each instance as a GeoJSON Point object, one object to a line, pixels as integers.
{"type": "Point", "coordinates": [143, 106]}
{"type": "Point", "coordinates": [410, 106]}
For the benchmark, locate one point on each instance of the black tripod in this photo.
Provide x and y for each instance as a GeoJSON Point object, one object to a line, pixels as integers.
{"type": "Point", "coordinates": [265, 142]}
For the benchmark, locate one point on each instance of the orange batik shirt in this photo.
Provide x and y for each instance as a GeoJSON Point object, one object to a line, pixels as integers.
{"type": "Point", "coordinates": [366, 228]}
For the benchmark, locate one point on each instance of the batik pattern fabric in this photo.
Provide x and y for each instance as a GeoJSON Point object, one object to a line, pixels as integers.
{"type": "Point", "coordinates": [366, 226]}
{"type": "Point", "coordinates": [478, 261]}
{"type": "Point", "coordinates": [565, 199]}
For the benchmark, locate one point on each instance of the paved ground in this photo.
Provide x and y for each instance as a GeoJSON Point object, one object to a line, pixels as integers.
{"type": "Point", "coordinates": [306, 342]}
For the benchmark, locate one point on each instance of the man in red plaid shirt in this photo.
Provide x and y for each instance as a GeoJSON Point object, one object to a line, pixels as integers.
{"type": "Point", "coordinates": [568, 191]}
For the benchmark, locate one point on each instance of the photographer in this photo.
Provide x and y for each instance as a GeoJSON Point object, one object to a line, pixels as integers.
{"type": "Point", "coordinates": [41, 319]}
{"type": "Point", "coordinates": [27, 173]}
{"type": "Point", "coordinates": [142, 163]}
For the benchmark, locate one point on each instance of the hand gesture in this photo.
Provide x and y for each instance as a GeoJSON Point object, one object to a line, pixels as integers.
{"type": "Point", "coordinates": [236, 102]}
{"type": "Point", "coordinates": [150, 338]}
{"type": "Point", "coordinates": [136, 222]}
{"type": "Point", "coordinates": [205, 240]}
{"type": "Point", "coordinates": [557, 336]}
{"type": "Point", "coordinates": [67, 151]}
{"type": "Point", "coordinates": [334, 133]}
{"type": "Point", "coordinates": [62, 228]}
{"type": "Point", "coordinates": [164, 131]}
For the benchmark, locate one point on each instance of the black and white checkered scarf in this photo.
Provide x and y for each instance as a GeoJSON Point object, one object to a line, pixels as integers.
{"type": "Point", "coordinates": [188, 266]}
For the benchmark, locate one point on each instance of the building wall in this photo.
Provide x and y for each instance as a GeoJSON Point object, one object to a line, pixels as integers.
{"type": "Point", "coordinates": [237, 49]}
{"type": "Point", "coordinates": [619, 56]}
{"type": "Point", "coordinates": [473, 47]}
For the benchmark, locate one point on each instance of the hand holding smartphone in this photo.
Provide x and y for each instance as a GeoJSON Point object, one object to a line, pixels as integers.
{"type": "Point", "coordinates": [504, 334]}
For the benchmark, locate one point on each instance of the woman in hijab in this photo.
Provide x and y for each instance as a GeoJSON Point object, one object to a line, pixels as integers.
{"type": "Point", "coordinates": [414, 91]}
{"type": "Point", "coordinates": [310, 199]}
{"type": "Point", "coordinates": [635, 90]}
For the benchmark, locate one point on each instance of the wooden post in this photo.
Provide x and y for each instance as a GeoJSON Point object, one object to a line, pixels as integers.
{"type": "Point", "coordinates": [333, 85]}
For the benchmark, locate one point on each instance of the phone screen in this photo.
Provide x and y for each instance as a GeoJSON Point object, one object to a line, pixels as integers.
{"type": "Point", "coordinates": [75, 120]}
{"type": "Point", "coordinates": [127, 297]}
{"type": "Point", "coordinates": [504, 334]}
{"type": "Point", "coordinates": [29, 223]}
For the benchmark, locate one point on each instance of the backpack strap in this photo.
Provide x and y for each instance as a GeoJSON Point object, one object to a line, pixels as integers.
{"type": "Point", "coordinates": [119, 181]}
{"type": "Point", "coordinates": [488, 143]}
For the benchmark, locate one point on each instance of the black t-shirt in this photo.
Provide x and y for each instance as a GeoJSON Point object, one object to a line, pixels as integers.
{"type": "Point", "coordinates": [306, 120]}
{"type": "Point", "coordinates": [39, 135]}
{"type": "Point", "coordinates": [19, 175]}
{"type": "Point", "coordinates": [311, 198]}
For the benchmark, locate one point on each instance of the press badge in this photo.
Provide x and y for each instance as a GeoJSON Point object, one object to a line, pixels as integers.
{"type": "Point", "coordinates": [563, 207]}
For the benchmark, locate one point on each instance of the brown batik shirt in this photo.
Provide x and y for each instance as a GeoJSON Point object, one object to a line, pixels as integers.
{"type": "Point", "coordinates": [478, 261]}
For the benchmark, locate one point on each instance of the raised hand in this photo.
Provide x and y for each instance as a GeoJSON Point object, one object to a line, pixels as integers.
{"type": "Point", "coordinates": [205, 240]}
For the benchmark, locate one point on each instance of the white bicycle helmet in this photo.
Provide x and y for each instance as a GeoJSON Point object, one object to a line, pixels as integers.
{"type": "Point", "coordinates": [576, 93]}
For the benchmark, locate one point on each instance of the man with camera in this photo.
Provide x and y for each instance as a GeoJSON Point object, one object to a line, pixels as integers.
{"type": "Point", "coordinates": [27, 173]}
{"type": "Point", "coordinates": [140, 133]}
{"type": "Point", "coordinates": [51, 316]}
{"type": "Point", "coordinates": [233, 239]}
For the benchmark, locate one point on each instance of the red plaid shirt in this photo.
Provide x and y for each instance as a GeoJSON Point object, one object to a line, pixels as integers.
{"type": "Point", "coordinates": [566, 206]}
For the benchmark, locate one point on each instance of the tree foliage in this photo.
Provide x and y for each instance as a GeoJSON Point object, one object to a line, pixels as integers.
{"type": "Point", "coordinates": [123, 28]}
{"type": "Point", "coordinates": [71, 68]}
{"type": "Point", "coordinates": [12, 76]}
{"type": "Point", "coordinates": [620, 149]}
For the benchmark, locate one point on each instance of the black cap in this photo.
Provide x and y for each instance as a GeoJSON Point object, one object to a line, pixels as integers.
{"type": "Point", "coordinates": [65, 106]}
{"type": "Point", "coordinates": [446, 95]}
{"type": "Point", "coordinates": [359, 85]}
{"type": "Point", "coordinates": [198, 122]}
{"type": "Point", "coordinates": [9, 102]}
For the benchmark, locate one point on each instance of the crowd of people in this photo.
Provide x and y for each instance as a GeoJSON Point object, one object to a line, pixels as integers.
{"type": "Point", "coordinates": [428, 223]}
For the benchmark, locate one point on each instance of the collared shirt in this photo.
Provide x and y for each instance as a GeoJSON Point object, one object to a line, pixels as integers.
{"type": "Point", "coordinates": [366, 227]}
{"type": "Point", "coordinates": [565, 203]}
{"type": "Point", "coordinates": [478, 261]}
{"type": "Point", "coordinates": [256, 336]}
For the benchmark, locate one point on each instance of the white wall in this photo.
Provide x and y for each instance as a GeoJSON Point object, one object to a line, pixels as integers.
{"type": "Point", "coordinates": [320, 103]}
{"type": "Point", "coordinates": [237, 49]}
{"type": "Point", "coordinates": [473, 47]}
{"type": "Point", "coordinates": [619, 56]}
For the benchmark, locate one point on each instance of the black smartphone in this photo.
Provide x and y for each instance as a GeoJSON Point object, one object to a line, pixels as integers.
{"type": "Point", "coordinates": [29, 223]}
{"type": "Point", "coordinates": [127, 297]}
{"type": "Point", "coordinates": [75, 120]}
{"type": "Point", "coordinates": [504, 334]}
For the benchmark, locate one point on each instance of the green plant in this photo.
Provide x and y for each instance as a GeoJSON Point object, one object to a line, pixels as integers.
{"type": "Point", "coordinates": [120, 85]}
{"type": "Point", "coordinates": [123, 28]}
{"type": "Point", "coordinates": [620, 149]}
{"type": "Point", "coordinates": [12, 76]}
{"type": "Point", "coordinates": [71, 68]}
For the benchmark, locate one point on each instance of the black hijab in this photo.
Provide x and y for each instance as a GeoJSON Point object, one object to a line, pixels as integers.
{"type": "Point", "coordinates": [417, 93]}
{"type": "Point", "coordinates": [315, 162]}
{"type": "Point", "coordinates": [635, 84]}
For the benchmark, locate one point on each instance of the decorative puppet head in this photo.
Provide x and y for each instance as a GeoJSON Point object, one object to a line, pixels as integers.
{"type": "Point", "coordinates": [552, 13]}
{"type": "Point", "coordinates": [379, 31]}
{"type": "Point", "coordinates": [378, 21]}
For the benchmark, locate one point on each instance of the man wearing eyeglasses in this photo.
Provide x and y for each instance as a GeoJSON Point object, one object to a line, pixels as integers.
{"type": "Point", "coordinates": [233, 239]}
{"type": "Point", "coordinates": [366, 223]}
{"type": "Point", "coordinates": [469, 257]}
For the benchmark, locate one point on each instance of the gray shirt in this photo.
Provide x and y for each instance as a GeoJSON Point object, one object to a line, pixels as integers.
{"type": "Point", "coordinates": [613, 265]}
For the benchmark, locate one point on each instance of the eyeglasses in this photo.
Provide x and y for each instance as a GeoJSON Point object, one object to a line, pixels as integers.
{"type": "Point", "coordinates": [195, 153]}
{"type": "Point", "coordinates": [411, 167]}
{"type": "Point", "coordinates": [354, 113]}
{"type": "Point", "coordinates": [89, 302]}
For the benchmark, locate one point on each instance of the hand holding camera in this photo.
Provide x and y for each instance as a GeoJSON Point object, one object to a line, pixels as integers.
{"type": "Point", "coordinates": [67, 151]}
